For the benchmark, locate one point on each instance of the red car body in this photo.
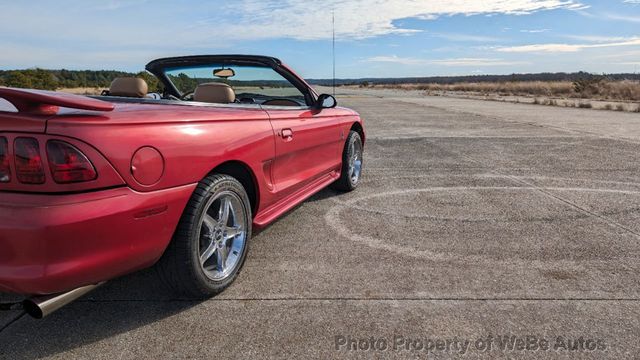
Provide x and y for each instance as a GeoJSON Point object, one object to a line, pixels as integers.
{"type": "Point", "coordinates": [148, 158]}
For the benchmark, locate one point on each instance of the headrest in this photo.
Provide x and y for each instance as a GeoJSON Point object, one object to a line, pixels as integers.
{"type": "Point", "coordinates": [214, 92]}
{"type": "Point", "coordinates": [129, 87]}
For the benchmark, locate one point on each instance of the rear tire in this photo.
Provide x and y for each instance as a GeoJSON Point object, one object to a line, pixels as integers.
{"type": "Point", "coordinates": [352, 161]}
{"type": "Point", "coordinates": [210, 244]}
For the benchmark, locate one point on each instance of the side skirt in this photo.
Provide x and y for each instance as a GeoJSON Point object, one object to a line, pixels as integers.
{"type": "Point", "coordinates": [276, 210]}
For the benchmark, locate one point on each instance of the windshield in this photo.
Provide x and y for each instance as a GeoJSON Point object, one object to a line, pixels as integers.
{"type": "Point", "coordinates": [252, 84]}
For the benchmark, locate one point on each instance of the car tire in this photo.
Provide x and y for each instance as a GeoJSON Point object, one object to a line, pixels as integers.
{"type": "Point", "coordinates": [352, 161]}
{"type": "Point", "coordinates": [210, 244]}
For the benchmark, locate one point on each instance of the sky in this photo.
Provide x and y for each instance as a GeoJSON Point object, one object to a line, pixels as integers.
{"type": "Point", "coordinates": [374, 38]}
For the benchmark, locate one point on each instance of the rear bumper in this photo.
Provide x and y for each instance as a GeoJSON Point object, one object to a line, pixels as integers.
{"type": "Point", "coordinates": [55, 243]}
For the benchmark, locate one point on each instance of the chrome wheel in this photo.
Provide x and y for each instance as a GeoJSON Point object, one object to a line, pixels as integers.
{"type": "Point", "coordinates": [223, 235]}
{"type": "Point", "coordinates": [355, 161]}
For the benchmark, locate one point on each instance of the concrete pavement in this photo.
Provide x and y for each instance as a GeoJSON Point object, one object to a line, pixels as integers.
{"type": "Point", "coordinates": [475, 220]}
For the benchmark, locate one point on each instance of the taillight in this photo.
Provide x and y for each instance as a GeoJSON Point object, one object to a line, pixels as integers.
{"type": "Point", "coordinates": [5, 170]}
{"type": "Point", "coordinates": [29, 168]}
{"type": "Point", "coordinates": [68, 164]}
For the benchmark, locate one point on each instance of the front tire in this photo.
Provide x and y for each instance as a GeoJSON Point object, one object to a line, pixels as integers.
{"type": "Point", "coordinates": [352, 161]}
{"type": "Point", "coordinates": [210, 244]}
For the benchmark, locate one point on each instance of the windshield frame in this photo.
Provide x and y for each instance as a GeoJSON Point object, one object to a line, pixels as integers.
{"type": "Point", "coordinates": [160, 67]}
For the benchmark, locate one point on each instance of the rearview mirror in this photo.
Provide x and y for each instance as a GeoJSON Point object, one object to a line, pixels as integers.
{"type": "Point", "coordinates": [224, 73]}
{"type": "Point", "coordinates": [326, 101]}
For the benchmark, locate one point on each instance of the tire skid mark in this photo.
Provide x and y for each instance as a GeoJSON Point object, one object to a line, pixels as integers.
{"type": "Point", "coordinates": [558, 198]}
{"type": "Point", "coordinates": [333, 219]}
{"type": "Point", "coordinates": [578, 207]}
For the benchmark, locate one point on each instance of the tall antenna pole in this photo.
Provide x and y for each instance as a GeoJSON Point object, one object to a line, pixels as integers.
{"type": "Point", "coordinates": [333, 44]}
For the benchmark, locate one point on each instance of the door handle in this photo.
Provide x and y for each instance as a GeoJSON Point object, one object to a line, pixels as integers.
{"type": "Point", "coordinates": [287, 134]}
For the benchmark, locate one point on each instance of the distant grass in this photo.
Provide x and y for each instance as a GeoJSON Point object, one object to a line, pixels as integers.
{"type": "Point", "coordinates": [624, 90]}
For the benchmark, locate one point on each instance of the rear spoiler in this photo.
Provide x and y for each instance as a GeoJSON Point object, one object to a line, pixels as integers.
{"type": "Point", "coordinates": [40, 102]}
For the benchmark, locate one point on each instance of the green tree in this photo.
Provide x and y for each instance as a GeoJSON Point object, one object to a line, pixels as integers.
{"type": "Point", "coordinates": [18, 79]}
{"type": "Point", "coordinates": [152, 81]}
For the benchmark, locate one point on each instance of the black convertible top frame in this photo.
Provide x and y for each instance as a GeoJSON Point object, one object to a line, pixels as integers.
{"type": "Point", "coordinates": [157, 67]}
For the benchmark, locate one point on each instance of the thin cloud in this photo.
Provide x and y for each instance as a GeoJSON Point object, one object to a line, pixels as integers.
{"type": "Point", "coordinates": [618, 17]}
{"type": "Point", "coordinates": [564, 48]}
{"type": "Point", "coordinates": [461, 62]}
{"type": "Point", "coordinates": [466, 37]}
{"type": "Point", "coordinates": [535, 31]}
{"type": "Point", "coordinates": [118, 4]}
{"type": "Point", "coordinates": [622, 55]}
{"type": "Point", "coordinates": [476, 62]}
{"type": "Point", "coordinates": [597, 39]}
{"type": "Point", "coordinates": [396, 60]}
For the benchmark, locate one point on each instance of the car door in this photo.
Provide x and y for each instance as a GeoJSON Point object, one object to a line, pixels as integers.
{"type": "Point", "coordinates": [308, 145]}
{"type": "Point", "coordinates": [307, 140]}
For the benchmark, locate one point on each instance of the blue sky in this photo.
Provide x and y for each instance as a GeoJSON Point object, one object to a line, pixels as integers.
{"type": "Point", "coordinates": [376, 38]}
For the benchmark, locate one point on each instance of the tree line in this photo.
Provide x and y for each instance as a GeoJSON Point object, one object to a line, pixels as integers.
{"type": "Point", "coordinates": [561, 76]}
{"type": "Point", "coordinates": [60, 79]}
{"type": "Point", "coordinates": [64, 79]}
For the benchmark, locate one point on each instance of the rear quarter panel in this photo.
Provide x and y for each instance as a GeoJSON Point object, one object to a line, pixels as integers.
{"type": "Point", "coordinates": [192, 141]}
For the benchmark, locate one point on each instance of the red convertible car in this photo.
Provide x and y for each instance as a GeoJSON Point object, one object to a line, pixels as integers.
{"type": "Point", "coordinates": [92, 188]}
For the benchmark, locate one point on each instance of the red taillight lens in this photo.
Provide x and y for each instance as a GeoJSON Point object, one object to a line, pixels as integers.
{"type": "Point", "coordinates": [5, 170]}
{"type": "Point", "coordinates": [29, 168]}
{"type": "Point", "coordinates": [68, 164]}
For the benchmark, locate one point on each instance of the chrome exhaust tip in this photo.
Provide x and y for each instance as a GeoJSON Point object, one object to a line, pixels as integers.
{"type": "Point", "coordinates": [41, 306]}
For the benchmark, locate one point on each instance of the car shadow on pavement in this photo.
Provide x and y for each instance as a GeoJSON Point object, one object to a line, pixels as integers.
{"type": "Point", "coordinates": [324, 194]}
{"type": "Point", "coordinates": [127, 303]}
{"type": "Point", "coordinates": [130, 302]}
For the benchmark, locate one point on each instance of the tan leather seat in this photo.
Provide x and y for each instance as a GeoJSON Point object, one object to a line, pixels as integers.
{"type": "Point", "coordinates": [129, 87]}
{"type": "Point", "coordinates": [214, 92]}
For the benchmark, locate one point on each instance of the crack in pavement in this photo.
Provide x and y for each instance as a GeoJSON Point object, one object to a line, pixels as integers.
{"type": "Point", "coordinates": [518, 180]}
{"type": "Point", "coordinates": [14, 320]}
{"type": "Point", "coordinates": [576, 206]}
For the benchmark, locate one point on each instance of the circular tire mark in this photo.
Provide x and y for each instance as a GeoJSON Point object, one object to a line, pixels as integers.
{"type": "Point", "coordinates": [334, 220]}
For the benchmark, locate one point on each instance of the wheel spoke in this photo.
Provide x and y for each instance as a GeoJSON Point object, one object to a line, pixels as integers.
{"type": "Point", "coordinates": [221, 258]}
{"type": "Point", "coordinates": [223, 213]}
{"type": "Point", "coordinates": [209, 222]}
{"type": "Point", "coordinates": [208, 252]}
{"type": "Point", "coordinates": [232, 232]}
